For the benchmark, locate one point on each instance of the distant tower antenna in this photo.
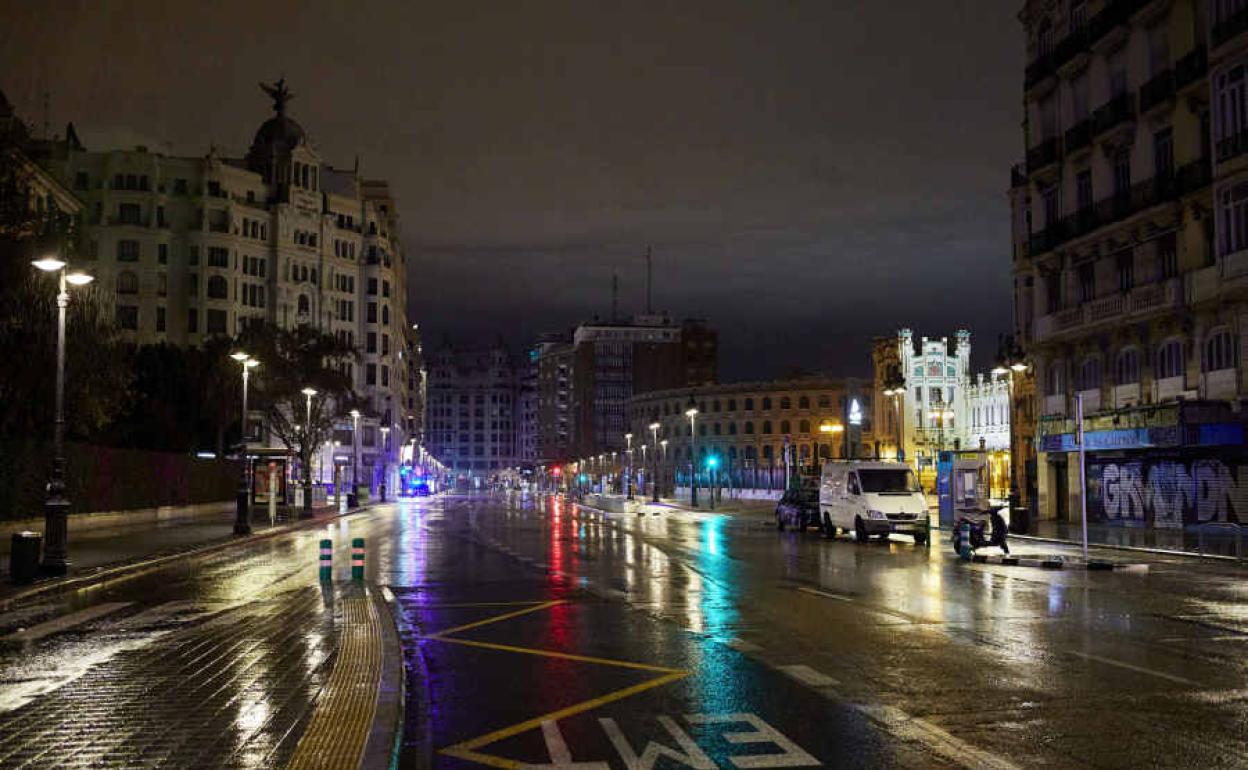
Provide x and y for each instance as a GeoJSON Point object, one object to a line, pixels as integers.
{"type": "Point", "coordinates": [615, 296]}
{"type": "Point", "coordinates": [649, 282]}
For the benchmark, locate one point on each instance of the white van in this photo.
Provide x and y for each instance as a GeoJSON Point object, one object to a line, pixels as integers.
{"type": "Point", "coordinates": [872, 497]}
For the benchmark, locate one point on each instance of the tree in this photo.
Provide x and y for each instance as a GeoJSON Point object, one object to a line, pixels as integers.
{"type": "Point", "coordinates": [290, 361]}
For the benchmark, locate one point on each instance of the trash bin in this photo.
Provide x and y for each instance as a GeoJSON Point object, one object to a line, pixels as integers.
{"type": "Point", "coordinates": [24, 556]}
{"type": "Point", "coordinates": [1020, 520]}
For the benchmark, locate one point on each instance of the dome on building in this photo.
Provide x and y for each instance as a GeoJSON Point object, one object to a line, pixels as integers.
{"type": "Point", "coordinates": [277, 137]}
{"type": "Point", "coordinates": [278, 134]}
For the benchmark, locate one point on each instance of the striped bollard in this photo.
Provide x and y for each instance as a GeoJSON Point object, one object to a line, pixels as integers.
{"type": "Point", "coordinates": [327, 561]}
{"type": "Point", "coordinates": [964, 548]}
{"type": "Point", "coordinates": [357, 558]}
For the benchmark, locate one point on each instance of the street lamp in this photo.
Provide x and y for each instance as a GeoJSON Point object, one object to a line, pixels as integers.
{"type": "Point", "coordinates": [628, 486]}
{"type": "Point", "coordinates": [307, 437]}
{"type": "Point", "coordinates": [385, 460]}
{"type": "Point", "coordinates": [663, 444]}
{"type": "Point", "coordinates": [1010, 362]}
{"type": "Point", "coordinates": [654, 435]}
{"type": "Point", "coordinates": [56, 507]}
{"type": "Point", "coordinates": [242, 517]}
{"type": "Point", "coordinates": [691, 411]}
{"type": "Point", "coordinates": [832, 428]}
{"type": "Point", "coordinates": [355, 450]}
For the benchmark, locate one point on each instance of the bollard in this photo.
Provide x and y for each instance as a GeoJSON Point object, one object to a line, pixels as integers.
{"type": "Point", "coordinates": [964, 547]}
{"type": "Point", "coordinates": [327, 561]}
{"type": "Point", "coordinates": [357, 558]}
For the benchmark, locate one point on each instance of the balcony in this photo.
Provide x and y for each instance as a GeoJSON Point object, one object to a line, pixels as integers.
{"type": "Point", "coordinates": [1229, 27]}
{"type": "Point", "coordinates": [1156, 296]}
{"type": "Point", "coordinates": [1232, 146]}
{"type": "Point", "coordinates": [1114, 16]}
{"type": "Point", "coordinates": [1042, 155]}
{"type": "Point", "coordinates": [1191, 68]}
{"type": "Point", "coordinates": [1105, 309]}
{"type": "Point", "coordinates": [1158, 91]}
{"type": "Point", "coordinates": [1113, 113]}
{"type": "Point", "coordinates": [1115, 308]}
{"type": "Point", "coordinates": [1078, 136]}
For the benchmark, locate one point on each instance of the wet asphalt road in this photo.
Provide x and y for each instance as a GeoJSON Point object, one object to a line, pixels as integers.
{"type": "Point", "coordinates": [537, 633]}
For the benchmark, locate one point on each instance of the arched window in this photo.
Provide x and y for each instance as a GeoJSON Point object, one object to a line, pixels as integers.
{"type": "Point", "coordinates": [1055, 382]}
{"type": "Point", "coordinates": [732, 405]}
{"type": "Point", "coordinates": [786, 402]}
{"type": "Point", "coordinates": [715, 405]}
{"type": "Point", "coordinates": [766, 403]}
{"type": "Point", "coordinates": [1127, 368]}
{"type": "Point", "coordinates": [784, 426]}
{"type": "Point", "coordinates": [766, 427]}
{"type": "Point", "coordinates": [749, 428]}
{"type": "Point", "coordinates": [304, 305]}
{"type": "Point", "coordinates": [732, 429]}
{"type": "Point", "coordinates": [1170, 359]}
{"type": "Point", "coordinates": [127, 282]}
{"type": "Point", "coordinates": [385, 315]}
{"type": "Point", "coordinates": [749, 405]}
{"type": "Point", "coordinates": [803, 402]}
{"type": "Point", "coordinates": [1219, 351]}
{"type": "Point", "coordinates": [218, 288]}
{"type": "Point", "coordinates": [1090, 373]}
{"type": "Point", "coordinates": [825, 401]}
{"type": "Point", "coordinates": [767, 455]}
{"type": "Point", "coordinates": [805, 426]}
{"type": "Point", "coordinates": [717, 429]}
{"type": "Point", "coordinates": [751, 453]}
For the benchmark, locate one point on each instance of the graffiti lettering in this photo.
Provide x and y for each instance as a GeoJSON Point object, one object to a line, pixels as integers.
{"type": "Point", "coordinates": [1167, 493]}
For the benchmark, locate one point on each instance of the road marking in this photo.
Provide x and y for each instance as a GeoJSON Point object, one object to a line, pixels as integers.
{"type": "Point", "coordinates": [560, 755]}
{"type": "Point", "coordinates": [65, 622]}
{"type": "Point", "coordinates": [1131, 667]}
{"type": "Point", "coordinates": [1187, 639]}
{"type": "Point", "coordinates": [791, 755]}
{"type": "Point", "coordinates": [935, 738]}
{"type": "Point", "coordinates": [692, 757]}
{"type": "Point", "coordinates": [807, 675]}
{"type": "Point", "coordinates": [824, 594]}
{"type": "Point", "coordinates": [554, 654]}
{"type": "Point", "coordinates": [497, 618]}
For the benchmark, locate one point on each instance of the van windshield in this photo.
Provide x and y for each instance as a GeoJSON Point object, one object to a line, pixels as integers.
{"type": "Point", "coordinates": [896, 481]}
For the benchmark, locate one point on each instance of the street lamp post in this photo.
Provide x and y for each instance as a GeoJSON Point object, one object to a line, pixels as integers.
{"type": "Point", "coordinates": [385, 460]}
{"type": "Point", "coordinates": [628, 482]}
{"type": "Point", "coordinates": [654, 435]}
{"type": "Point", "coordinates": [308, 393]}
{"type": "Point", "coordinates": [242, 513]}
{"type": "Point", "coordinates": [56, 507]}
{"type": "Point", "coordinates": [663, 444]}
{"type": "Point", "coordinates": [692, 413]}
{"type": "Point", "coordinates": [355, 451]}
{"type": "Point", "coordinates": [1010, 362]}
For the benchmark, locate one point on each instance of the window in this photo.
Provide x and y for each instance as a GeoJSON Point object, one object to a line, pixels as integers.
{"type": "Point", "coordinates": [1170, 360]}
{"type": "Point", "coordinates": [1079, 97]}
{"type": "Point", "coordinates": [192, 256]}
{"type": "Point", "coordinates": [766, 427]}
{"type": "Point", "coordinates": [1167, 256]}
{"type": "Point", "coordinates": [1126, 270]}
{"type": "Point", "coordinates": [128, 213]}
{"type": "Point", "coordinates": [162, 253]}
{"type": "Point", "coordinates": [935, 395]}
{"type": "Point", "coordinates": [127, 251]}
{"type": "Point", "coordinates": [732, 405]}
{"type": "Point", "coordinates": [717, 429]}
{"type": "Point", "coordinates": [1052, 292]}
{"type": "Point", "coordinates": [1122, 174]}
{"type": "Point", "coordinates": [179, 186]}
{"type": "Point", "coordinates": [785, 427]}
{"type": "Point", "coordinates": [385, 288]}
{"type": "Point", "coordinates": [749, 405]}
{"type": "Point", "coordinates": [1090, 374]}
{"type": "Point", "coordinates": [732, 429]}
{"type": "Point", "coordinates": [385, 344]}
{"type": "Point", "coordinates": [162, 284]}
{"type": "Point", "coordinates": [127, 282]}
{"type": "Point", "coordinates": [370, 374]}
{"type": "Point", "coordinates": [218, 288]}
{"type": "Point", "coordinates": [385, 375]}
{"type": "Point", "coordinates": [1163, 154]}
{"type": "Point", "coordinates": [80, 181]}
{"type": "Point", "coordinates": [767, 405]}
{"type": "Point", "coordinates": [192, 320]}
{"type": "Point", "coordinates": [1083, 190]}
{"type": "Point", "coordinates": [192, 285]}
{"type": "Point", "coordinates": [304, 305]}
{"type": "Point", "coordinates": [370, 343]}
{"type": "Point", "coordinates": [803, 402]}
{"type": "Point", "coordinates": [218, 256]}
{"type": "Point", "coordinates": [715, 405]}
{"type": "Point", "coordinates": [1055, 382]}
{"type": "Point", "coordinates": [385, 315]}
{"type": "Point", "coordinates": [1233, 205]}
{"type": "Point", "coordinates": [749, 428]}
{"type": "Point", "coordinates": [1127, 368]}
{"type": "Point", "coordinates": [1087, 282]}
{"type": "Point", "coordinates": [1219, 351]}
{"type": "Point", "coordinates": [804, 426]}
{"type": "Point", "coordinates": [160, 318]}
{"type": "Point", "coordinates": [372, 286]}
{"type": "Point", "coordinates": [1052, 198]}
{"type": "Point", "coordinates": [372, 313]}
{"type": "Point", "coordinates": [128, 317]}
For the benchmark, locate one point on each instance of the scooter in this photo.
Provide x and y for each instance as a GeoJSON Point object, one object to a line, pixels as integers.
{"type": "Point", "coordinates": [969, 533]}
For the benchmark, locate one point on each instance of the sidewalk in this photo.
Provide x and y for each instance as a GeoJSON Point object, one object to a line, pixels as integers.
{"type": "Point", "coordinates": [94, 551]}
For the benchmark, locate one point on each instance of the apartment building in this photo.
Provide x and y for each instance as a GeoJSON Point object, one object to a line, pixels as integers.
{"type": "Point", "coordinates": [473, 411]}
{"type": "Point", "coordinates": [1130, 252]}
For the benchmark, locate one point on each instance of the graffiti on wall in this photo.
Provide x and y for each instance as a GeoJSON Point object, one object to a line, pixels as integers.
{"type": "Point", "coordinates": [1168, 492]}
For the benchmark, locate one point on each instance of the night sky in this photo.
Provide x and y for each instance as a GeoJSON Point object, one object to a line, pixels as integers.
{"type": "Point", "coordinates": [809, 174]}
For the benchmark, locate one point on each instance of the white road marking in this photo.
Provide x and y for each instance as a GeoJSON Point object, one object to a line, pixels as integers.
{"type": "Point", "coordinates": [938, 740]}
{"type": "Point", "coordinates": [1132, 667]}
{"type": "Point", "coordinates": [824, 594]}
{"type": "Point", "coordinates": [693, 756]}
{"type": "Point", "coordinates": [791, 755]}
{"type": "Point", "coordinates": [65, 622]}
{"type": "Point", "coordinates": [560, 755]}
{"type": "Point", "coordinates": [807, 675]}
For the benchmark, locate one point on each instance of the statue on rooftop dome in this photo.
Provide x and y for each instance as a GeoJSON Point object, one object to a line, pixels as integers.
{"type": "Point", "coordinates": [279, 93]}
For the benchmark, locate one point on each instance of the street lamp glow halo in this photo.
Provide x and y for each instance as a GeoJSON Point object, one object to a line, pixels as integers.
{"type": "Point", "coordinates": [691, 412]}
{"type": "Point", "coordinates": [1000, 370]}
{"type": "Point", "coordinates": [1018, 366]}
{"type": "Point", "coordinates": [250, 362]}
{"type": "Point", "coordinates": [79, 278]}
{"type": "Point", "coordinates": [355, 414]}
{"type": "Point", "coordinates": [655, 426]}
{"type": "Point", "coordinates": [239, 356]}
{"type": "Point", "coordinates": [309, 392]}
{"type": "Point", "coordinates": [49, 264]}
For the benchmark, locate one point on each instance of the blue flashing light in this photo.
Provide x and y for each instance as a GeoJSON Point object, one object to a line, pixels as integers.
{"type": "Point", "coordinates": [712, 461]}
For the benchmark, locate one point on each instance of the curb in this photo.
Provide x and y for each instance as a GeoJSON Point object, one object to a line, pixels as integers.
{"type": "Point", "coordinates": [1056, 562]}
{"type": "Point", "coordinates": [143, 566]}
{"type": "Point", "coordinates": [385, 738]}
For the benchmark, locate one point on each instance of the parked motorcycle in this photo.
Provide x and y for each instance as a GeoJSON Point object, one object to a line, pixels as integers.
{"type": "Point", "coordinates": [971, 532]}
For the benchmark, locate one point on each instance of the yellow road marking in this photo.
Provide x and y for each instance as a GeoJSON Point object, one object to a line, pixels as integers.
{"type": "Point", "coordinates": [497, 618]}
{"type": "Point", "coordinates": [467, 749]}
{"type": "Point", "coordinates": [557, 654]}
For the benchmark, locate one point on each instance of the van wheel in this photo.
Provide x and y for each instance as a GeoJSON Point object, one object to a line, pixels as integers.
{"type": "Point", "coordinates": [860, 530]}
{"type": "Point", "coordinates": [827, 530]}
{"type": "Point", "coordinates": [779, 521]}
{"type": "Point", "coordinates": [920, 538]}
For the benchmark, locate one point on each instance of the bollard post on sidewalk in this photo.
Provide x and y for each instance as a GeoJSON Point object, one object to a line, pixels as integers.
{"type": "Point", "coordinates": [357, 558]}
{"type": "Point", "coordinates": [327, 560]}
